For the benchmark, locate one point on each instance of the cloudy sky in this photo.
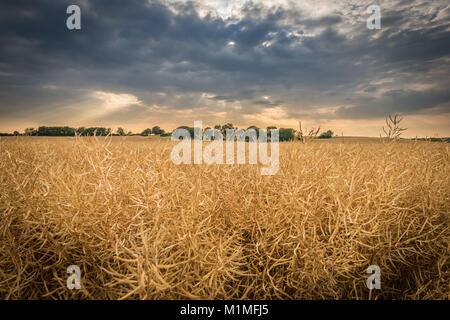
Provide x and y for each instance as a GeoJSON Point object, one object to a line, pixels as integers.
{"type": "Point", "coordinates": [140, 63]}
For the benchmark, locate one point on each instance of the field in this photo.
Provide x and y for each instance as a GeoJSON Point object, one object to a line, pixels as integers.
{"type": "Point", "coordinates": [141, 227]}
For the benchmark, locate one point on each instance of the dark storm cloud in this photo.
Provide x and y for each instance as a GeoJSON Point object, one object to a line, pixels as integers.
{"type": "Point", "coordinates": [144, 48]}
{"type": "Point", "coordinates": [399, 101]}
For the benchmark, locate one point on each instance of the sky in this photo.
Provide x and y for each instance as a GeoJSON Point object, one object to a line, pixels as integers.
{"type": "Point", "coordinates": [139, 63]}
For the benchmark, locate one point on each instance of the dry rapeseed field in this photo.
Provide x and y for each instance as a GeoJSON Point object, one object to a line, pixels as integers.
{"type": "Point", "coordinates": [141, 227]}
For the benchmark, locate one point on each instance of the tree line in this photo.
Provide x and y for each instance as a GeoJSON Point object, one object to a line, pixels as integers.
{"type": "Point", "coordinates": [65, 131]}
{"type": "Point", "coordinates": [285, 134]}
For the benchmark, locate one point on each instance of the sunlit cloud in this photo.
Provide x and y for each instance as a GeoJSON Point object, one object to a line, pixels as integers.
{"type": "Point", "coordinates": [112, 101]}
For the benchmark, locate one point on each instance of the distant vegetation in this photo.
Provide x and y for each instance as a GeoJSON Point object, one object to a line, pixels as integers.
{"type": "Point", "coordinates": [392, 131]}
{"type": "Point", "coordinates": [62, 131]}
{"type": "Point", "coordinates": [286, 134]}
{"type": "Point", "coordinates": [66, 131]}
{"type": "Point", "coordinates": [434, 139]}
{"type": "Point", "coordinates": [326, 135]}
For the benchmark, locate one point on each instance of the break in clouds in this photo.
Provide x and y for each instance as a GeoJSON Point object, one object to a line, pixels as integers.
{"type": "Point", "coordinates": [139, 63]}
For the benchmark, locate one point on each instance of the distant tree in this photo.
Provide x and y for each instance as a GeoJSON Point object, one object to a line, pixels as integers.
{"type": "Point", "coordinates": [81, 131]}
{"type": "Point", "coordinates": [269, 133]}
{"type": "Point", "coordinates": [146, 132]}
{"type": "Point", "coordinates": [16, 133]}
{"type": "Point", "coordinates": [254, 128]}
{"type": "Point", "coordinates": [120, 131]}
{"type": "Point", "coordinates": [157, 130]}
{"type": "Point", "coordinates": [326, 135]}
{"type": "Point", "coordinates": [286, 134]}
{"type": "Point", "coordinates": [56, 131]}
{"type": "Point", "coordinates": [91, 131]}
{"type": "Point", "coordinates": [227, 126]}
{"type": "Point", "coordinates": [30, 132]}
{"type": "Point", "coordinates": [190, 129]}
{"type": "Point", "coordinates": [223, 129]}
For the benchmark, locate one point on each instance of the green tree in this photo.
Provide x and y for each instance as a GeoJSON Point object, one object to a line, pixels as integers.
{"type": "Point", "coordinates": [157, 130]}
{"type": "Point", "coordinates": [30, 132]}
{"type": "Point", "coordinates": [227, 126]}
{"type": "Point", "coordinates": [190, 129]}
{"type": "Point", "coordinates": [223, 129]}
{"type": "Point", "coordinates": [146, 132]}
{"type": "Point", "coordinates": [56, 131]}
{"type": "Point", "coordinates": [269, 133]}
{"type": "Point", "coordinates": [81, 131]}
{"type": "Point", "coordinates": [326, 135]}
{"type": "Point", "coordinates": [91, 131]}
{"type": "Point", "coordinates": [120, 131]}
{"type": "Point", "coordinates": [287, 134]}
{"type": "Point", "coordinates": [256, 130]}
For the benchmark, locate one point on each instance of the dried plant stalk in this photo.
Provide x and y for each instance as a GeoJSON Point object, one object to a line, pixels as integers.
{"type": "Point", "coordinates": [308, 135]}
{"type": "Point", "coordinates": [393, 129]}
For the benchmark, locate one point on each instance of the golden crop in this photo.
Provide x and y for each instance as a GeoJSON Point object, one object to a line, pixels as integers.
{"type": "Point", "coordinates": [141, 227]}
